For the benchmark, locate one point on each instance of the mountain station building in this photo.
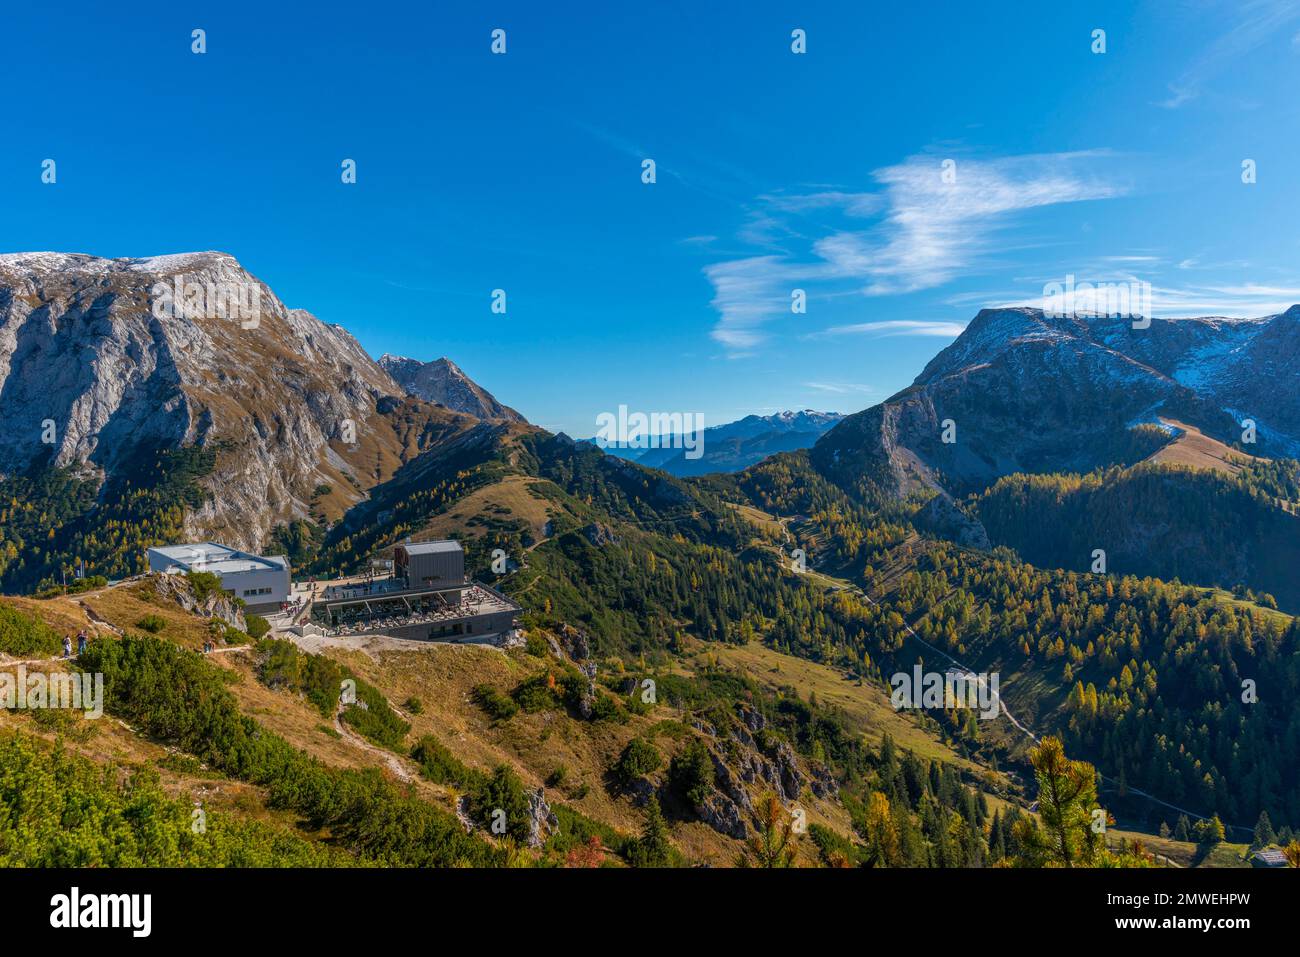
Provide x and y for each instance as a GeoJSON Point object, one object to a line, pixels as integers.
{"type": "Point", "coordinates": [426, 598]}
{"type": "Point", "coordinates": [262, 582]}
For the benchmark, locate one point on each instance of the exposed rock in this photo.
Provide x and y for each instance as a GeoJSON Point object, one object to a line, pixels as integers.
{"type": "Point", "coordinates": [787, 768]}
{"type": "Point", "coordinates": [740, 734]}
{"type": "Point", "coordinates": [463, 815]}
{"type": "Point", "coordinates": [600, 535]}
{"type": "Point", "coordinates": [577, 642]}
{"type": "Point", "coordinates": [823, 783]}
{"type": "Point", "coordinates": [541, 819]}
{"type": "Point", "coordinates": [753, 720]}
{"type": "Point", "coordinates": [726, 781]}
{"type": "Point", "coordinates": [640, 791]}
{"type": "Point", "coordinates": [588, 701]}
{"type": "Point", "coordinates": [219, 605]}
{"type": "Point", "coordinates": [943, 516]}
{"type": "Point", "coordinates": [722, 814]}
{"type": "Point", "coordinates": [443, 382]}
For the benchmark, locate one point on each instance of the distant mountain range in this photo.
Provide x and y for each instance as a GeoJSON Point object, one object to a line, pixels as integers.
{"type": "Point", "coordinates": [443, 382]}
{"type": "Point", "coordinates": [736, 445]}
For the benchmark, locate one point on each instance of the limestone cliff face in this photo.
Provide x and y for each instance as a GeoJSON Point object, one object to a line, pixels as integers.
{"type": "Point", "coordinates": [103, 361]}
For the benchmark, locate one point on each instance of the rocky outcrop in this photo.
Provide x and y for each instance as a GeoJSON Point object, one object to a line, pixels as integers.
{"type": "Point", "coordinates": [577, 643]}
{"type": "Point", "coordinates": [822, 782]}
{"type": "Point", "coordinates": [748, 762]}
{"type": "Point", "coordinates": [587, 703]}
{"type": "Point", "coordinates": [600, 534]}
{"type": "Point", "coordinates": [218, 605]}
{"type": "Point", "coordinates": [640, 791]}
{"type": "Point", "coordinates": [943, 516]}
{"type": "Point", "coordinates": [541, 819]}
{"type": "Point", "coordinates": [442, 381]}
{"type": "Point", "coordinates": [723, 815]}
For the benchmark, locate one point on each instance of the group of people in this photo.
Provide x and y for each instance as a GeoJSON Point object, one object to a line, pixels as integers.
{"type": "Point", "coordinates": [81, 644]}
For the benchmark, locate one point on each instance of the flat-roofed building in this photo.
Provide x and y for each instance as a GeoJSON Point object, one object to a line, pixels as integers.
{"type": "Point", "coordinates": [426, 598]}
{"type": "Point", "coordinates": [432, 566]}
{"type": "Point", "coordinates": [261, 581]}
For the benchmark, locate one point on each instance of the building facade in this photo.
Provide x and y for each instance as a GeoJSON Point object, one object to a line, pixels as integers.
{"type": "Point", "coordinates": [262, 582]}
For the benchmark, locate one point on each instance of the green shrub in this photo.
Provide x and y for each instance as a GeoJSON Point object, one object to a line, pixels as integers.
{"type": "Point", "coordinates": [606, 708]}
{"type": "Point", "coordinates": [638, 759]}
{"type": "Point", "coordinates": [498, 706]}
{"type": "Point", "coordinates": [439, 765]}
{"type": "Point", "coordinates": [373, 718]}
{"type": "Point", "coordinates": [257, 626]}
{"type": "Point", "coordinates": [180, 698]}
{"type": "Point", "coordinates": [22, 635]}
{"type": "Point", "coordinates": [75, 587]}
{"type": "Point", "coordinates": [536, 694]}
{"type": "Point", "coordinates": [690, 774]}
{"type": "Point", "coordinates": [502, 792]}
{"type": "Point", "coordinates": [204, 584]}
{"type": "Point", "coordinates": [413, 705]}
{"type": "Point", "coordinates": [152, 623]}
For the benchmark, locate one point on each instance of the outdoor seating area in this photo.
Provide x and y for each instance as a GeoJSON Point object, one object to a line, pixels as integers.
{"type": "Point", "coordinates": [477, 611]}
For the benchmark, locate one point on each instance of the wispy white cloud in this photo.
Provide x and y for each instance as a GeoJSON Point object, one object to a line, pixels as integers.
{"type": "Point", "coordinates": [898, 327]}
{"type": "Point", "coordinates": [839, 388]}
{"type": "Point", "coordinates": [934, 229]}
{"type": "Point", "coordinates": [922, 230]}
{"type": "Point", "coordinates": [1259, 21]}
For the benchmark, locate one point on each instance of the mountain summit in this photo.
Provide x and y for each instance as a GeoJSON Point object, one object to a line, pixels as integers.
{"type": "Point", "coordinates": [1029, 392]}
{"type": "Point", "coordinates": [442, 381]}
{"type": "Point", "coordinates": [109, 365]}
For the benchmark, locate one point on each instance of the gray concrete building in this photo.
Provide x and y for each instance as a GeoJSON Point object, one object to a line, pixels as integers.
{"type": "Point", "coordinates": [262, 582]}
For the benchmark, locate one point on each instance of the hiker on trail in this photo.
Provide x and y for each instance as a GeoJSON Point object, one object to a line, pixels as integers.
{"type": "Point", "coordinates": [81, 643]}
{"type": "Point", "coordinates": [67, 646]}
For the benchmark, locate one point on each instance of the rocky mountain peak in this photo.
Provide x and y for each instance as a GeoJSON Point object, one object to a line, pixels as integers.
{"type": "Point", "coordinates": [105, 361]}
{"type": "Point", "coordinates": [442, 381]}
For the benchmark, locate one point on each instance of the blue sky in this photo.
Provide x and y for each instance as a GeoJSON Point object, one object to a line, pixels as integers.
{"type": "Point", "coordinates": [775, 171]}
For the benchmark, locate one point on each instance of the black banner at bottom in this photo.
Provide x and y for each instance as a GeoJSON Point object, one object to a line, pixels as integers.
{"type": "Point", "coordinates": [140, 907]}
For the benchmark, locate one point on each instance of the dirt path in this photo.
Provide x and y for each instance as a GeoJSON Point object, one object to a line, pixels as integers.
{"type": "Point", "coordinates": [392, 761]}
{"type": "Point", "coordinates": [97, 621]}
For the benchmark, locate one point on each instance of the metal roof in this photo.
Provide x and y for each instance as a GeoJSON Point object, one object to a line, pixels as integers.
{"type": "Point", "coordinates": [221, 559]}
{"type": "Point", "coordinates": [430, 548]}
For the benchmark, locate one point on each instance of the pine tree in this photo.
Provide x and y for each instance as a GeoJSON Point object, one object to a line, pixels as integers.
{"type": "Point", "coordinates": [1067, 798]}
{"type": "Point", "coordinates": [770, 847]}
{"type": "Point", "coordinates": [652, 848]}
{"type": "Point", "coordinates": [1263, 831]}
